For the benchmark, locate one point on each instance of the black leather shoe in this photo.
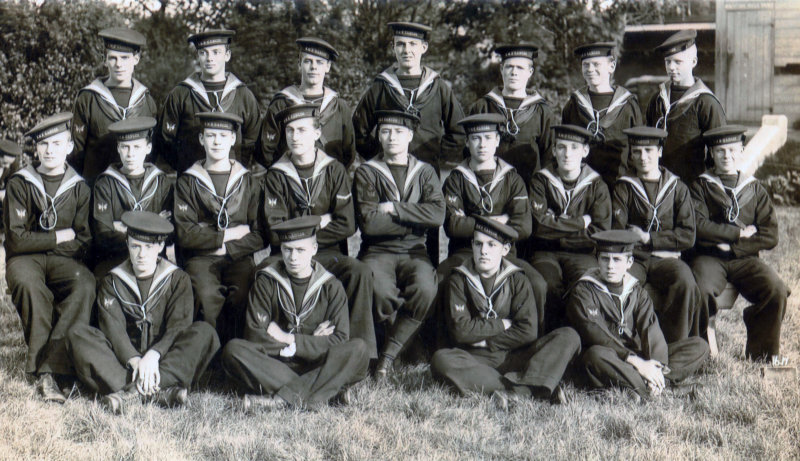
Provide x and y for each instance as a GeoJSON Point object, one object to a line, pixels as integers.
{"type": "Point", "coordinates": [46, 387]}
{"type": "Point", "coordinates": [384, 367]}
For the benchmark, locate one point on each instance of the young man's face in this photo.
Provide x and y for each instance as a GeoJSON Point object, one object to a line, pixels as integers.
{"type": "Point", "coordinates": [488, 252]}
{"type": "Point", "coordinates": [132, 153]}
{"type": "Point", "coordinates": [613, 266]}
{"type": "Point", "coordinates": [120, 65]}
{"type": "Point", "coordinates": [394, 138]}
{"type": "Point", "coordinates": [645, 158]}
{"type": "Point", "coordinates": [482, 146]}
{"type": "Point", "coordinates": [297, 255]}
{"type": "Point", "coordinates": [570, 154]}
{"type": "Point", "coordinates": [144, 255]}
{"type": "Point", "coordinates": [313, 69]}
{"type": "Point", "coordinates": [516, 72]}
{"type": "Point", "coordinates": [301, 136]}
{"type": "Point", "coordinates": [408, 51]}
{"type": "Point", "coordinates": [212, 59]}
{"type": "Point", "coordinates": [598, 71]}
{"type": "Point", "coordinates": [679, 65]}
{"type": "Point", "coordinates": [725, 157]}
{"type": "Point", "coordinates": [217, 143]}
{"type": "Point", "coordinates": [7, 160]}
{"type": "Point", "coordinates": [53, 150]}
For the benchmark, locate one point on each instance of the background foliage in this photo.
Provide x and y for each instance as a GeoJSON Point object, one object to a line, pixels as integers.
{"type": "Point", "coordinates": [50, 49]}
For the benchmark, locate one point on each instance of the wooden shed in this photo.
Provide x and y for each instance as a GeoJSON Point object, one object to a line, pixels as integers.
{"type": "Point", "coordinates": [757, 58]}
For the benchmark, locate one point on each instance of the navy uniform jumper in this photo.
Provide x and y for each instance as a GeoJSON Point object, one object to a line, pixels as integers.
{"type": "Point", "coordinates": [394, 246]}
{"type": "Point", "coordinates": [468, 193]}
{"type": "Point", "coordinates": [322, 365]}
{"type": "Point", "coordinates": [563, 251]}
{"type": "Point", "coordinates": [527, 140]}
{"type": "Point", "coordinates": [336, 123]}
{"type": "Point", "coordinates": [133, 322]}
{"type": "Point", "coordinates": [605, 115]}
{"type": "Point", "coordinates": [179, 129]}
{"type": "Point", "coordinates": [114, 193]}
{"type": "Point", "coordinates": [50, 286]}
{"type": "Point", "coordinates": [724, 205]}
{"type": "Point", "coordinates": [514, 359]}
{"type": "Point", "coordinates": [615, 322]}
{"type": "Point", "coordinates": [666, 211]}
{"type": "Point", "coordinates": [202, 213]}
{"type": "Point", "coordinates": [289, 193]}
{"type": "Point", "coordinates": [685, 113]}
{"type": "Point", "coordinates": [97, 107]}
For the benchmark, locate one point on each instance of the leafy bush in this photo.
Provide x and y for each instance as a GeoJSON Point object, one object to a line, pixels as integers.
{"type": "Point", "coordinates": [780, 173]}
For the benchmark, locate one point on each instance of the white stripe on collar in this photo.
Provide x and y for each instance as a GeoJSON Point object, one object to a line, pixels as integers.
{"type": "Point", "coordinates": [285, 166]}
{"type": "Point", "coordinates": [237, 172]}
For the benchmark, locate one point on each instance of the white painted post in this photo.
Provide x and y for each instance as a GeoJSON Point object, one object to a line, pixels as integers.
{"type": "Point", "coordinates": [767, 140]}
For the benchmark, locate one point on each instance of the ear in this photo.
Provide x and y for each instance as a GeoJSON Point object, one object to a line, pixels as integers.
{"type": "Point", "coordinates": [629, 264]}
{"type": "Point", "coordinates": [424, 47]}
{"type": "Point", "coordinates": [660, 151]}
{"type": "Point", "coordinates": [612, 65]}
{"type": "Point", "coordinates": [136, 58]}
{"type": "Point", "coordinates": [148, 147]}
{"type": "Point", "coordinates": [317, 133]}
{"type": "Point", "coordinates": [586, 150]}
{"type": "Point", "coordinates": [227, 55]}
{"type": "Point", "coordinates": [314, 248]}
{"type": "Point", "coordinates": [506, 249]}
{"type": "Point", "coordinates": [161, 246]}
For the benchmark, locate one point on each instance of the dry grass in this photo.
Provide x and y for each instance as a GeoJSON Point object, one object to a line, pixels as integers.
{"type": "Point", "coordinates": [733, 416]}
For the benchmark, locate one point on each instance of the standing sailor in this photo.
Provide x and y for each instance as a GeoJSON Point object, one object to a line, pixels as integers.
{"type": "Point", "coordinates": [526, 140]}
{"type": "Point", "coordinates": [684, 107]}
{"type": "Point", "coordinates": [335, 116]}
{"type": "Point", "coordinates": [603, 109]}
{"type": "Point", "coordinates": [109, 100]}
{"type": "Point", "coordinates": [210, 90]}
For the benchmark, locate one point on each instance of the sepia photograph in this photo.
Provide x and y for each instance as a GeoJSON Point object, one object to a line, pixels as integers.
{"type": "Point", "coordinates": [399, 229]}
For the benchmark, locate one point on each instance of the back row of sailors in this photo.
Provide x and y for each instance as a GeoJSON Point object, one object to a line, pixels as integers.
{"type": "Point", "coordinates": [684, 106]}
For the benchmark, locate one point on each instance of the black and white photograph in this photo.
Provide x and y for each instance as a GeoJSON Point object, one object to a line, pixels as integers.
{"type": "Point", "coordinates": [399, 229]}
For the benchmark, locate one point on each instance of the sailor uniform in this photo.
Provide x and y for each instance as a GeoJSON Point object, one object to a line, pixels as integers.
{"type": "Point", "coordinates": [615, 323]}
{"type": "Point", "coordinates": [685, 118]}
{"type": "Point", "coordinates": [467, 195]}
{"type": "Point", "coordinates": [50, 286]}
{"type": "Point", "coordinates": [609, 145]}
{"type": "Point", "coordinates": [132, 323]}
{"type": "Point", "coordinates": [394, 246]}
{"type": "Point", "coordinates": [115, 193]}
{"type": "Point", "coordinates": [438, 136]}
{"type": "Point", "coordinates": [722, 210]}
{"type": "Point", "coordinates": [321, 365]}
{"type": "Point", "coordinates": [666, 212]}
{"type": "Point", "coordinates": [514, 359]}
{"type": "Point", "coordinates": [288, 195]}
{"type": "Point", "coordinates": [527, 141]}
{"type": "Point", "coordinates": [563, 251]}
{"type": "Point", "coordinates": [95, 109]}
{"type": "Point", "coordinates": [179, 128]}
{"type": "Point", "coordinates": [336, 123]}
{"type": "Point", "coordinates": [201, 216]}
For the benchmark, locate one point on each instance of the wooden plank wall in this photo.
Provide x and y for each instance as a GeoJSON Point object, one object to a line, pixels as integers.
{"type": "Point", "coordinates": [755, 42]}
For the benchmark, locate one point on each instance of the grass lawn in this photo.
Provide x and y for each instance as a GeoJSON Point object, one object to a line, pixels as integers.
{"type": "Point", "coordinates": [734, 415]}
